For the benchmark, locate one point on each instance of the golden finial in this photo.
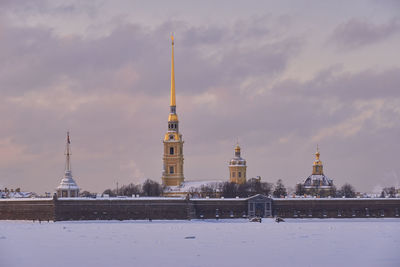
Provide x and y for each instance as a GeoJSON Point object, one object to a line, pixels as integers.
{"type": "Point", "coordinates": [237, 147]}
{"type": "Point", "coordinates": [317, 153]}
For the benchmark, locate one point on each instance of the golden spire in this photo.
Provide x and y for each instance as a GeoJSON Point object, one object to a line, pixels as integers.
{"type": "Point", "coordinates": [173, 102]}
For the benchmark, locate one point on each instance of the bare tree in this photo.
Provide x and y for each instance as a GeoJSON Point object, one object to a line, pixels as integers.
{"type": "Point", "coordinates": [208, 191]}
{"type": "Point", "coordinates": [388, 191]}
{"type": "Point", "coordinates": [280, 189]}
{"type": "Point", "coordinates": [229, 189]}
{"type": "Point", "coordinates": [300, 190]}
{"type": "Point", "coordinates": [347, 191]}
{"type": "Point", "coordinates": [130, 189]}
{"type": "Point", "coordinates": [111, 193]}
{"type": "Point", "coordinates": [151, 188]}
{"type": "Point", "coordinates": [85, 194]}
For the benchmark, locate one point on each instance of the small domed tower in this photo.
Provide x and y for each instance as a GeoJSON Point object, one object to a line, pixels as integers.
{"type": "Point", "coordinates": [237, 168]}
{"type": "Point", "coordinates": [317, 180]}
{"type": "Point", "coordinates": [68, 187]}
{"type": "Point", "coordinates": [317, 166]}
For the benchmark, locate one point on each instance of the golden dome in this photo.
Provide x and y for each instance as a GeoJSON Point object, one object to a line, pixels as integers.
{"type": "Point", "coordinates": [237, 148]}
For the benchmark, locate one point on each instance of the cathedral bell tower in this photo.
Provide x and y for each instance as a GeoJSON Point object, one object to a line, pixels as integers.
{"type": "Point", "coordinates": [237, 168]}
{"type": "Point", "coordinates": [173, 143]}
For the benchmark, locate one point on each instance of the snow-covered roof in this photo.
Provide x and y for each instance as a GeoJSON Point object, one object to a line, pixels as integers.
{"type": "Point", "coordinates": [318, 180]}
{"type": "Point", "coordinates": [14, 194]}
{"type": "Point", "coordinates": [67, 182]}
{"type": "Point", "coordinates": [25, 199]}
{"type": "Point", "coordinates": [237, 161]}
{"type": "Point", "coordinates": [191, 185]}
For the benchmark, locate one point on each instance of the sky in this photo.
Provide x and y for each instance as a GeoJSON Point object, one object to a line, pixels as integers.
{"type": "Point", "coordinates": [280, 77]}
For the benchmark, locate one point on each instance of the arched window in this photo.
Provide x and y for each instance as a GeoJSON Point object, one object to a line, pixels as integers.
{"type": "Point", "coordinates": [171, 169]}
{"type": "Point", "coordinates": [171, 150]}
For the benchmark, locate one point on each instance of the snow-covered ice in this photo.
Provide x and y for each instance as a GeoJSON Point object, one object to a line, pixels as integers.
{"type": "Point", "coordinates": [296, 242]}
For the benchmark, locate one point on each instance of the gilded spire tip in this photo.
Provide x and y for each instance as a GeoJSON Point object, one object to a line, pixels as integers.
{"type": "Point", "coordinates": [173, 101]}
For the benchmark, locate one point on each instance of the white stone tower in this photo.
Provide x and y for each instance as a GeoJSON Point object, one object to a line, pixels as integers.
{"type": "Point", "coordinates": [68, 187]}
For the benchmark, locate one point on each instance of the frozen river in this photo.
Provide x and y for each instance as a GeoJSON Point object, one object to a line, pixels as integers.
{"type": "Point", "coordinates": [296, 242]}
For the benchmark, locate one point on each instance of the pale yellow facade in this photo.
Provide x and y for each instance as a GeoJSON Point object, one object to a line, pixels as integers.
{"type": "Point", "coordinates": [173, 163]}
{"type": "Point", "coordinates": [237, 168]}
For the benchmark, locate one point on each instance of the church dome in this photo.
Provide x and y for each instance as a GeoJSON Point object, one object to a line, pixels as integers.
{"type": "Point", "coordinates": [237, 160]}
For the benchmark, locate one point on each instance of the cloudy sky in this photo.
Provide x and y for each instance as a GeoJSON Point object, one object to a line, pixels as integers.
{"type": "Point", "coordinates": [279, 76]}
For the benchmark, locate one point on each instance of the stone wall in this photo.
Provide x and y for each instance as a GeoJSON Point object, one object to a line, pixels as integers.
{"type": "Point", "coordinates": [170, 208]}
{"type": "Point", "coordinates": [220, 208]}
{"type": "Point", "coordinates": [27, 209]}
{"type": "Point", "coordinates": [336, 208]}
{"type": "Point", "coordinates": [120, 209]}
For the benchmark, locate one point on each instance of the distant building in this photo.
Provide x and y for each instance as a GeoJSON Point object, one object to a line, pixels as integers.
{"type": "Point", "coordinates": [16, 193]}
{"type": "Point", "coordinates": [172, 174]}
{"type": "Point", "coordinates": [317, 180]}
{"type": "Point", "coordinates": [237, 168]}
{"type": "Point", "coordinates": [68, 187]}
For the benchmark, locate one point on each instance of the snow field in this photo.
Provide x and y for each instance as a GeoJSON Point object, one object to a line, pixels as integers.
{"type": "Point", "coordinates": [237, 242]}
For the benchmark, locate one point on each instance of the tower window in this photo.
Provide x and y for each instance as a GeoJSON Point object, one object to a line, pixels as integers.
{"type": "Point", "coordinates": [233, 174]}
{"type": "Point", "coordinates": [171, 137]}
{"type": "Point", "coordinates": [171, 169]}
{"type": "Point", "coordinates": [171, 150]}
{"type": "Point", "coordinates": [239, 174]}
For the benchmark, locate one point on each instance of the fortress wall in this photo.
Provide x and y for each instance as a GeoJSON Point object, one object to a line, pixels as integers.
{"type": "Point", "coordinates": [170, 209]}
{"type": "Point", "coordinates": [209, 208]}
{"type": "Point", "coordinates": [27, 209]}
{"type": "Point", "coordinates": [336, 208]}
{"type": "Point", "coordinates": [124, 209]}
